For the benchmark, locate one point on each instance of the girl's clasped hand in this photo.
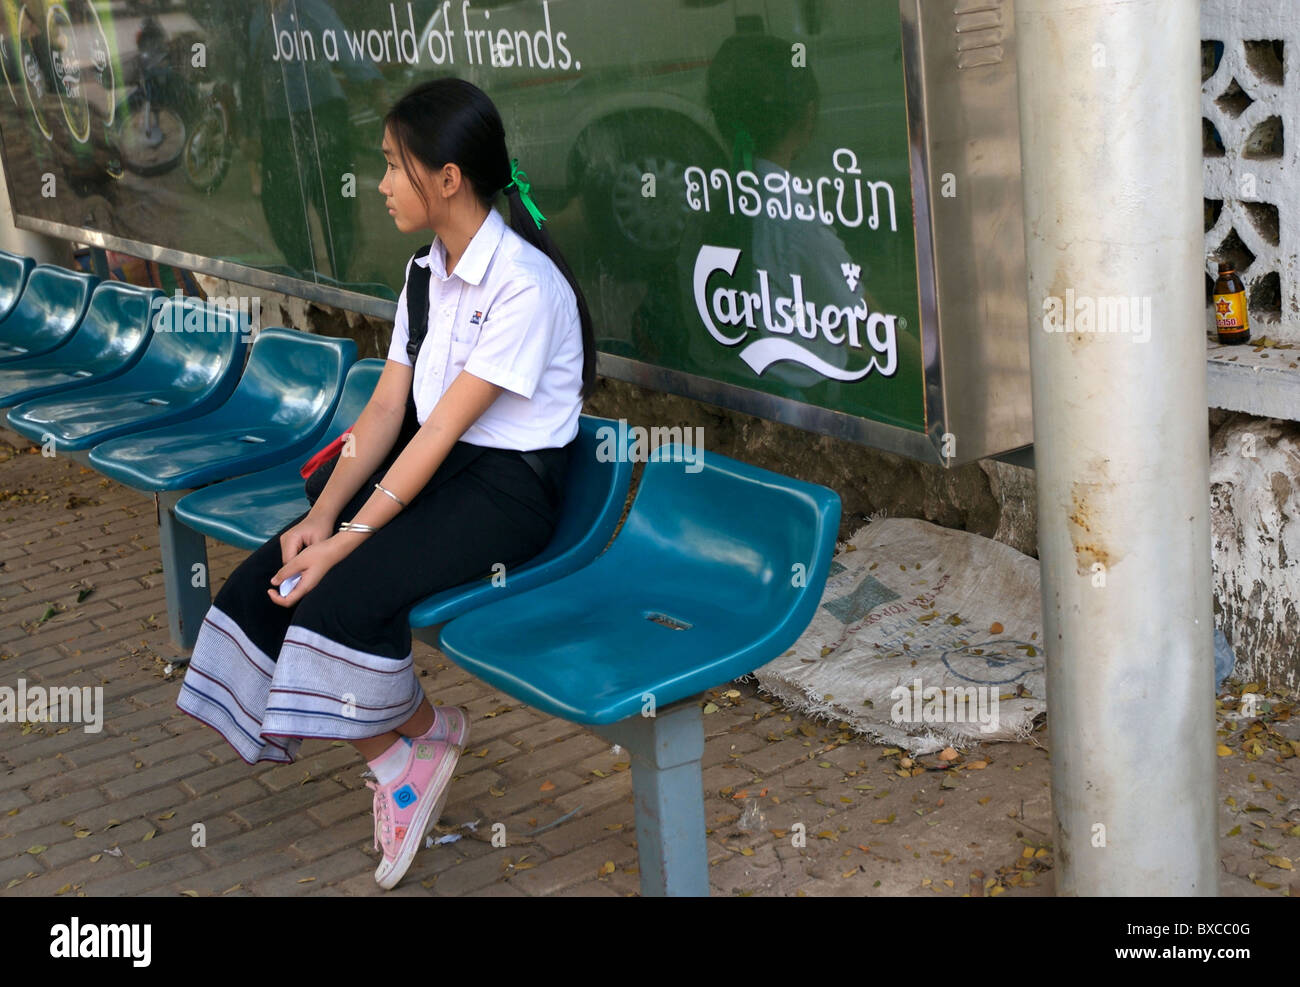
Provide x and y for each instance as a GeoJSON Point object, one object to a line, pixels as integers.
{"type": "Point", "coordinates": [308, 552]}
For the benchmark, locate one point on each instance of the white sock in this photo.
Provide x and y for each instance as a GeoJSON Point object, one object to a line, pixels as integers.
{"type": "Point", "coordinates": [390, 764]}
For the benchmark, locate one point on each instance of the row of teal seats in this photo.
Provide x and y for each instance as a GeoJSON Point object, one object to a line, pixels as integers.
{"type": "Point", "coordinates": [713, 574]}
{"type": "Point", "coordinates": [162, 394]}
{"type": "Point", "coordinates": [170, 413]}
{"type": "Point", "coordinates": [80, 362]}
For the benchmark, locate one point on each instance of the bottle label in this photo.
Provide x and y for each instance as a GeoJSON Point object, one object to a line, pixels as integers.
{"type": "Point", "coordinates": [1230, 311]}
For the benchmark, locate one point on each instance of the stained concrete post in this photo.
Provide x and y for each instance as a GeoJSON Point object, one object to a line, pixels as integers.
{"type": "Point", "coordinates": [1111, 150]}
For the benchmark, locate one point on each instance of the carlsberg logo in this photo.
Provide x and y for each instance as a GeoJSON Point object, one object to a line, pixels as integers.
{"type": "Point", "coordinates": [789, 318]}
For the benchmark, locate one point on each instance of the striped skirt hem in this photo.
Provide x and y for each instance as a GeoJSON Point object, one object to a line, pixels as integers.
{"type": "Point", "coordinates": [315, 687]}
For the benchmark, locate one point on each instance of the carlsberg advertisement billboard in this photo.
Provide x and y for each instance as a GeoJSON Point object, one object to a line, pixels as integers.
{"type": "Point", "coordinates": [731, 181]}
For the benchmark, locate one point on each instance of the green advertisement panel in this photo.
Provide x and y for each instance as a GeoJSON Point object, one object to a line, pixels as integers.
{"type": "Point", "coordinates": [744, 188]}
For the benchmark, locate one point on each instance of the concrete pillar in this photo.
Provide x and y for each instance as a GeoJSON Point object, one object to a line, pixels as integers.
{"type": "Point", "coordinates": [1111, 149]}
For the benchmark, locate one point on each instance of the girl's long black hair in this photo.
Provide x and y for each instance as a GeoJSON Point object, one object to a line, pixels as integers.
{"type": "Point", "coordinates": [451, 120]}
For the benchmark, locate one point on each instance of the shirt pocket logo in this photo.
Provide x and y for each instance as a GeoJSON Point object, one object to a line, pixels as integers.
{"type": "Point", "coordinates": [464, 337]}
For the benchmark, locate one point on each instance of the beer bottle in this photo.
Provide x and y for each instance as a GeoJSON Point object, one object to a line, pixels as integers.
{"type": "Point", "coordinates": [1230, 307]}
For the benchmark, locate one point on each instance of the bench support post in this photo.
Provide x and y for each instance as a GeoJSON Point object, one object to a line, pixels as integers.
{"type": "Point", "coordinates": [182, 547]}
{"type": "Point", "coordinates": [669, 787]}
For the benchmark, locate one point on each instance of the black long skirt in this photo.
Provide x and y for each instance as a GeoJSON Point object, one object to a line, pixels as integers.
{"type": "Point", "coordinates": [339, 664]}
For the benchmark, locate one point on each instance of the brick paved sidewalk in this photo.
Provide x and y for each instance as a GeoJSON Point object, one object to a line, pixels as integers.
{"type": "Point", "coordinates": [121, 811]}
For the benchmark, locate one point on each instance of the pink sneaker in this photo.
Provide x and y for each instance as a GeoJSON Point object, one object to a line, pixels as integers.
{"type": "Point", "coordinates": [406, 807]}
{"type": "Point", "coordinates": [451, 726]}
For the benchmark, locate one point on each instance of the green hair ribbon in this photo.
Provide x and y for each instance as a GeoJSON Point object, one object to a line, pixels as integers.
{"type": "Point", "coordinates": [519, 179]}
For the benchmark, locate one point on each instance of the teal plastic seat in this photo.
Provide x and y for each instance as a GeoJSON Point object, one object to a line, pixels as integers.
{"type": "Point", "coordinates": [279, 409]}
{"type": "Point", "coordinates": [111, 338]}
{"type": "Point", "coordinates": [14, 270]}
{"type": "Point", "coordinates": [594, 495]}
{"type": "Point", "coordinates": [47, 312]}
{"type": "Point", "coordinates": [247, 510]}
{"type": "Point", "coordinates": [713, 575]}
{"type": "Point", "coordinates": [181, 375]}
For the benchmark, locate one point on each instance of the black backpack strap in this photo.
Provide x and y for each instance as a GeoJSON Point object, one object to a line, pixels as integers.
{"type": "Point", "coordinates": [417, 304]}
{"type": "Point", "coordinates": [417, 327]}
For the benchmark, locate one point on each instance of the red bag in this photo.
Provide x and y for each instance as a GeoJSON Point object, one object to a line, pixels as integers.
{"type": "Point", "coordinates": [324, 456]}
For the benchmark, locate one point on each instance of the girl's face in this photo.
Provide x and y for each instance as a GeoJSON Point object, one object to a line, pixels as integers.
{"type": "Point", "coordinates": [400, 195]}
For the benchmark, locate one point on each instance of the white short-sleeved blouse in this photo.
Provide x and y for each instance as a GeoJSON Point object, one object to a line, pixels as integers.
{"type": "Point", "coordinates": [507, 315]}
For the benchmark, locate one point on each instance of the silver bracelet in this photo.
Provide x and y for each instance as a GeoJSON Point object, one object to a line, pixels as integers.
{"type": "Point", "coordinates": [355, 526]}
{"type": "Point", "coordinates": [383, 489]}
